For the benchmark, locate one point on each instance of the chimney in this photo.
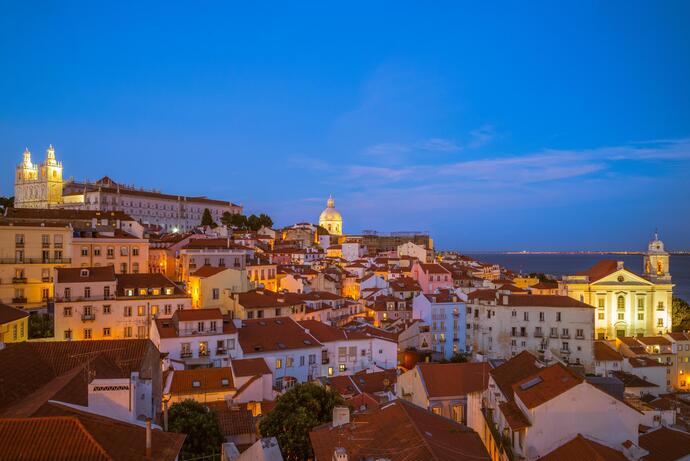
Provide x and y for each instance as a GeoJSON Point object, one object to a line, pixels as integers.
{"type": "Point", "coordinates": [165, 415]}
{"type": "Point", "coordinates": [148, 437]}
{"type": "Point", "coordinates": [619, 265]}
{"type": "Point", "coordinates": [341, 416]}
{"type": "Point", "coordinates": [339, 454]}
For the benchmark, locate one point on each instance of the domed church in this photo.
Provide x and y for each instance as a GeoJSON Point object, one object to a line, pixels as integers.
{"type": "Point", "coordinates": [330, 218]}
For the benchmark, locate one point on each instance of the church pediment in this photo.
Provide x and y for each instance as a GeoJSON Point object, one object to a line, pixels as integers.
{"type": "Point", "coordinates": [622, 277]}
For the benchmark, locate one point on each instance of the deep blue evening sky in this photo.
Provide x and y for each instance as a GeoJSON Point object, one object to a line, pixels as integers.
{"type": "Point", "coordinates": [503, 126]}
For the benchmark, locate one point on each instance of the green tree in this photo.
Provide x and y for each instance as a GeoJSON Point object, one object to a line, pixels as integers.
{"type": "Point", "coordinates": [265, 220]}
{"type": "Point", "coordinates": [5, 203]}
{"type": "Point", "coordinates": [40, 326]}
{"type": "Point", "coordinates": [234, 220]}
{"type": "Point", "coordinates": [253, 222]}
{"type": "Point", "coordinates": [207, 219]}
{"type": "Point", "coordinates": [296, 413]}
{"type": "Point", "coordinates": [204, 434]}
{"type": "Point", "coordinates": [680, 319]}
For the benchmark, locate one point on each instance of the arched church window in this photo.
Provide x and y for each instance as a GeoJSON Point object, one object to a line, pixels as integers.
{"type": "Point", "coordinates": [659, 267]}
{"type": "Point", "coordinates": [621, 303]}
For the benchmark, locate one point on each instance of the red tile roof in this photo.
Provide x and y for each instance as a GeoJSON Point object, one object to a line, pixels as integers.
{"type": "Point", "coordinates": [280, 333]}
{"type": "Point", "coordinates": [605, 353]}
{"type": "Point", "coordinates": [379, 381]}
{"type": "Point", "coordinates": [92, 274]}
{"type": "Point", "coordinates": [208, 271]}
{"type": "Point", "coordinates": [234, 420]}
{"type": "Point", "coordinates": [400, 431]}
{"type": "Point", "coordinates": [453, 379]}
{"type": "Point", "coordinates": [433, 268]}
{"type": "Point", "coordinates": [517, 368]}
{"type": "Point", "coordinates": [326, 333]}
{"type": "Point", "coordinates": [148, 281]}
{"type": "Point", "coordinates": [514, 416]}
{"type": "Point", "coordinates": [582, 449]}
{"type": "Point", "coordinates": [120, 440]}
{"type": "Point", "coordinates": [249, 367]}
{"type": "Point", "coordinates": [544, 385]}
{"type": "Point", "coordinates": [600, 270]}
{"type": "Point", "coordinates": [544, 301]}
{"type": "Point", "coordinates": [201, 381]}
{"type": "Point", "coordinates": [665, 444]}
{"type": "Point", "coordinates": [190, 315]}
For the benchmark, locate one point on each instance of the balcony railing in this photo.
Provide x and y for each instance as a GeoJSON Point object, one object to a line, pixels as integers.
{"type": "Point", "coordinates": [35, 260]}
{"type": "Point", "coordinates": [203, 353]}
{"type": "Point", "coordinates": [19, 300]}
{"type": "Point", "coordinates": [46, 279]}
{"type": "Point", "coordinates": [88, 317]}
{"type": "Point", "coordinates": [70, 299]}
{"type": "Point", "coordinates": [186, 355]}
{"type": "Point", "coordinates": [579, 336]}
{"type": "Point", "coordinates": [221, 351]}
{"type": "Point", "coordinates": [19, 244]}
{"type": "Point", "coordinates": [195, 332]}
{"type": "Point", "coordinates": [18, 279]}
{"type": "Point", "coordinates": [553, 334]}
{"type": "Point", "coordinates": [502, 443]}
{"type": "Point", "coordinates": [45, 244]}
{"type": "Point", "coordinates": [565, 335]}
{"type": "Point", "coordinates": [538, 334]}
{"type": "Point", "coordinates": [565, 351]}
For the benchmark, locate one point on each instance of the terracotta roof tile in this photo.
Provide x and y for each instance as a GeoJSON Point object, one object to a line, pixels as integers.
{"type": "Point", "coordinates": [514, 416]}
{"type": "Point", "coordinates": [546, 384]}
{"type": "Point", "coordinates": [454, 379]}
{"type": "Point", "coordinates": [603, 352]}
{"type": "Point", "coordinates": [190, 315]}
{"type": "Point", "coordinates": [279, 333]}
{"type": "Point", "coordinates": [249, 367]}
{"type": "Point", "coordinates": [582, 449]}
{"type": "Point", "coordinates": [202, 380]}
{"type": "Point", "coordinates": [665, 444]}
{"type": "Point", "coordinates": [600, 270]}
{"type": "Point", "coordinates": [208, 271]}
{"type": "Point", "coordinates": [517, 368]}
{"type": "Point", "coordinates": [85, 274]}
{"type": "Point", "coordinates": [10, 314]}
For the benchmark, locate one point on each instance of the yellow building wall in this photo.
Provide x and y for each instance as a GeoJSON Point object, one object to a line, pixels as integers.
{"type": "Point", "coordinates": [525, 282]}
{"type": "Point", "coordinates": [15, 332]}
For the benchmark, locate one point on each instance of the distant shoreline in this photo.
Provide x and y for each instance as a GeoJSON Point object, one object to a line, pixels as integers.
{"type": "Point", "coordinates": [632, 253]}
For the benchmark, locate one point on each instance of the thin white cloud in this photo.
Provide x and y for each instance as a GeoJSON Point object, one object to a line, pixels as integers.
{"type": "Point", "coordinates": [481, 136]}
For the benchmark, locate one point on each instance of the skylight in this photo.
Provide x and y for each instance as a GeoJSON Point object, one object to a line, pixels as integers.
{"type": "Point", "coordinates": [531, 383]}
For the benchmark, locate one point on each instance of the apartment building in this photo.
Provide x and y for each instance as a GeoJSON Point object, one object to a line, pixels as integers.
{"type": "Point", "coordinates": [196, 338]}
{"type": "Point", "coordinates": [215, 252]}
{"type": "Point", "coordinates": [29, 252]}
{"type": "Point", "coordinates": [126, 252]}
{"type": "Point", "coordinates": [96, 303]}
{"type": "Point", "coordinates": [444, 310]}
{"type": "Point", "coordinates": [214, 286]}
{"type": "Point", "coordinates": [550, 326]}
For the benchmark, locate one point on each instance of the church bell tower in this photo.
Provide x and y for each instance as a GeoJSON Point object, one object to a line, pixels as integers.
{"type": "Point", "coordinates": [656, 261]}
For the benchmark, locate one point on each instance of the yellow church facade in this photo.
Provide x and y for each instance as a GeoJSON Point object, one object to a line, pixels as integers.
{"type": "Point", "coordinates": [627, 303]}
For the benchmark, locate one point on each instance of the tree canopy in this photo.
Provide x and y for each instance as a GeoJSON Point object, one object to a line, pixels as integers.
{"type": "Point", "coordinates": [204, 433]}
{"type": "Point", "coordinates": [242, 222]}
{"type": "Point", "coordinates": [296, 413]}
{"type": "Point", "coordinates": [456, 358]}
{"type": "Point", "coordinates": [207, 219]}
{"type": "Point", "coordinates": [680, 315]}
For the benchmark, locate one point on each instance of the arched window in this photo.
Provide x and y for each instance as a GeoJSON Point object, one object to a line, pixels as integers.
{"type": "Point", "coordinates": [621, 303]}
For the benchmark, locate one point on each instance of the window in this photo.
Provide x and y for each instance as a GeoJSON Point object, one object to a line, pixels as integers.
{"type": "Point", "coordinates": [640, 304]}
{"type": "Point", "coordinates": [341, 367]}
{"type": "Point", "coordinates": [558, 316]}
{"type": "Point", "coordinates": [541, 316]}
{"type": "Point", "coordinates": [621, 303]}
{"type": "Point", "coordinates": [127, 311]}
{"type": "Point", "coordinates": [526, 316]}
{"type": "Point", "coordinates": [660, 322]}
{"type": "Point", "coordinates": [660, 306]}
{"type": "Point", "coordinates": [141, 311]}
{"type": "Point", "coordinates": [277, 311]}
{"type": "Point", "coordinates": [135, 268]}
{"type": "Point", "coordinates": [123, 268]}
{"type": "Point", "coordinates": [288, 362]}
{"type": "Point", "coordinates": [167, 309]}
{"type": "Point", "coordinates": [436, 410]}
{"type": "Point", "coordinates": [215, 293]}
{"type": "Point", "coordinates": [312, 359]}
{"type": "Point", "coordinates": [566, 346]}
{"type": "Point", "coordinates": [87, 333]}
{"type": "Point", "coordinates": [621, 316]}
{"type": "Point", "coordinates": [67, 312]}
{"type": "Point", "coordinates": [231, 344]}
{"type": "Point", "coordinates": [124, 251]}
{"type": "Point", "coordinates": [135, 251]}
{"type": "Point", "coordinates": [68, 335]}
{"type": "Point", "coordinates": [601, 302]}
{"type": "Point", "coordinates": [106, 331]}
{"type": "Point", "coordinates": [87, 292]}
{"type": "Point", "coordinates": [212, 325]}
{"type": "Point", "coordinates": [301, 360]}
{"type": "Point", "coordinates": [84, 251]}
{"type": "Point", "coordinates": [110, 252]}
{"type": "Point", "coordinates": [279, 363]}
{"type": "Point", "coordinates": [640, 316]}
{"type": "Point", "coordinates": [141, 331]}
{"type": "Point", "coordinates": [580, 333]}
{"type": "Point", "coordinates": [200, 326]}
{"type": "Point", "coordinates": [97, 251]}
{"type": "Point", "coordinates": [19, 240]}
{"type": "Point", "coordinates": [330, 371]}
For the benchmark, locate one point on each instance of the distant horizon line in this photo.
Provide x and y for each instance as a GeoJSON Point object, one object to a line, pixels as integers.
{"type": "Point", "coordinates": [582, 252]}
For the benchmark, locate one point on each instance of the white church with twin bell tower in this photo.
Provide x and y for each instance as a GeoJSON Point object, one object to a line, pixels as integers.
{"type": "Point", "coordinates": [38, 185]}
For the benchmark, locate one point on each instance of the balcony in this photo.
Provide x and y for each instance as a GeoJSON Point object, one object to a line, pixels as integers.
{"type": "Point", "coordinates": [579, 336]}
{"type": "Point", "coordinates": [186, 354]}
{"type": "Point", "coordinates": [69, 299]}
{"type": "Point", "coordinates": [35, 260]}
{"type": "Point", "coordinates": [553, 334]}
{"type": "Point", "coordinates": [221, 351]}
{"type": "Point", "coordinates": [19, 300]}
{"type": "Point", "coordinates": [538, 334]}
{"type": "Point", "coordinates": [88, 317]}
{"type": "Point", "coordinates": [565, 335]}
{"type": "Point", "coordinates": [203, 353]}
{"type": "Point", "coordinates": [19, 244]}
{"type": "Point", "coordinates": [18, 279]}
{"type": "Point", "coordinates": [45, 245]}
{"type": "Point", "coordinates": [565, 351]}
{"type": "Point", "coordinates": [46, 279]}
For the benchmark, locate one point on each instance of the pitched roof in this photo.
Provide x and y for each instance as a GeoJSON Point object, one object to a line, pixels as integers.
{"type": "Point", "coordinates": [600, 270]}
{"type": "Point", "coordinates": [262, 298]}
{"type": "Point", "coordinates": [249, 367]}
{"type": "Point", "coordinates": [433, 268]}
{"type": "Point", "coordinates": [665, 444]}
{"type": "Point", "coordinates": [517, 368]}
{"type": "Point", "coordinates": [326, 333]}
{"type": "Point", "coordinates": [120, 440]}
{"type": "Point", "coordinates": [400, 430]}
{"type": "Point", "coordinates": [582, 449]}
{"type": "Point", "coordinates": [85, 274]}
{"type": "Point", "coordinates": [62, 214]}
{"type": "Point", "coordinates": [654, 341]}
{"type": "Point", "coordinates": [370, 383]}
{"type": "Point", "coordinates": [191, 315]}
{"type": "Point", "coordinates": [201, 381]}
{"type": "Point", "coordinates": [10, 314]}
{"type": "Point", "coordinates": [279, 333]}
{"type": "Point", "coordinates": [603, 352]}
{"type": "Point", "coordinates": [513, 415]}
{"type": "Point", "coordinates": [631, 380]}
{"type": "Point", "coordinates": [233, 420]}
{"type": "Point", "coordinates": [546, 384]}
{"type": "Point", "coordinates": [208, 271]}
{"type": "Point", "coordinates": [139, 281]}
{"type": "Point", "coordinates": [34, 372]}
{"type": "Point", "coordinates": [453, 379]}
